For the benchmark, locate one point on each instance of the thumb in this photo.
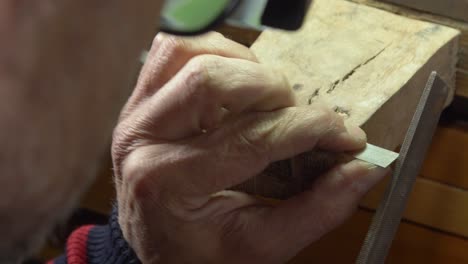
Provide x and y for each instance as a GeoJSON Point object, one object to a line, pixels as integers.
{"type": "Point", "coordinates": [327, 204]}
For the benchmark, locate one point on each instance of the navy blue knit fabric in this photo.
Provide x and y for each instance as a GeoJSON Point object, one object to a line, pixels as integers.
{"type": "Point", "coordinates": [106, 245]}
{"type": "Point", "coordinates": [60, 260]}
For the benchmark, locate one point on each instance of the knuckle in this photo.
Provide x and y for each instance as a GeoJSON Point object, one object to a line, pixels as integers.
{"type": "Point", "coordinates": [120, 148]}
{"type": "Point", "coordinates": [149, 179]}
{"type": "Point", "coordinates": [206, 61]}
{"type": "Point", "coordinates": [280, 77]}
{"type": "Point", "coordinates": [197, 65]}
{"type": "Point", "coordinates": [215, 34]}
{"type": "Point", "coordinates": [170, 46]}
{"type": "Point", "coordinates": [325, 115]}
{"type": "Point", "coordinates": [142, 180]}
{"type": "Point", "coordinates": [332, 122]}
{"type": "Point", "coordinates": [251, 139]}
{"type": "Point", "coordinates": [278, 80]}
{"type": "Point", "coordinates": [197, 75]}
{"type": "Point", "coordinates": [143, 173]}
{"type": "Point", "coordinates": [125, 139]}
{"type": "Point", "coordinates": [226, 42]}
{"type": "Point", "coordinates": [251, 56]}
{"type": "Point", "coordinates": [133, 168]}
{"type": "Point", "coordinates": [200, 75]}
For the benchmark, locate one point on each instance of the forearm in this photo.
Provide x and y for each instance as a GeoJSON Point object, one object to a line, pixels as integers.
{"type": "Point", "coordinates": [66, 67]}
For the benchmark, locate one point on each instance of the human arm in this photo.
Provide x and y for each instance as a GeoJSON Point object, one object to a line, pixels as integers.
{"type": "Point", "coordinates": [66, 69]}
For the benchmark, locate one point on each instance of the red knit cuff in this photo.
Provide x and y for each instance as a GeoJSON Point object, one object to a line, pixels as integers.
{"type": "Point", "coordinates": [77, 245]}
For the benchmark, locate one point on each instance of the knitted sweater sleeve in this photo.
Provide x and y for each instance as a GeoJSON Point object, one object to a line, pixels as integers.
{"type": "Point", "coordinates": [98, 244]}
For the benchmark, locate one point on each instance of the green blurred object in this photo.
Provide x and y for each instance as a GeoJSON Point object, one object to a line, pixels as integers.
{"type": "Point", "coordinates": [192, 15]}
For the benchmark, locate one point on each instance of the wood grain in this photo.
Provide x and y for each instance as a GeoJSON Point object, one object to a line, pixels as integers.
{"type": "Point", "coordinates": [447, 160]}
{"type": "Point", "coordinates": [462, 65]}
{"type": "Point", "coordinates": [456, 9]}
{"type": "Point", "coordinates": [431, 204]}
{"type": "Point", "coordinates": [412, 244]}
{"type": "Point", "coordinates": [367, 64]}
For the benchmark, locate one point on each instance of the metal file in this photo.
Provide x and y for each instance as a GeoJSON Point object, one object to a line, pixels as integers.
{"type": "Point", "coordinates": [412, 154]}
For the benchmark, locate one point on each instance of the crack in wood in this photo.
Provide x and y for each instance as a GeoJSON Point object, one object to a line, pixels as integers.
{"type": "Point", "coordinates": [312, 97]}
{"type": "Point", "coordinates": [342, 111]}
{"type": "Point", "coordinates": [350, 73]}
{"type": "Point", "coordinates": [298, 86]}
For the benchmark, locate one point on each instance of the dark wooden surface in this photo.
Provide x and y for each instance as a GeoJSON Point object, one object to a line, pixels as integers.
{"type": "Point", "coordinates": [456, 9]}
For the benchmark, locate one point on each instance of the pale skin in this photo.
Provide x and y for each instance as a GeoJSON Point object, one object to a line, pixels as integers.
{"type": "Point", "coordinates": [66, 69]}
{"type": "Point", "coordinates": [204, 116]}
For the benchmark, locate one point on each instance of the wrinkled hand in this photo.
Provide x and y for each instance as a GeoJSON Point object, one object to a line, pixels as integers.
{"type": "Point", "coordinates": [206, 116]}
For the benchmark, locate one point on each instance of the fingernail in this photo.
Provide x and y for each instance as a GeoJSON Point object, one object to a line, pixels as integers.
{"type": "Point", "coordinates": [366, 174]}
{"type": "Point", "coordinates": [362, 167]}
{"type": "Point", "coordinates": [374, 170]}
{"type": "Point", "coordinates": [357, 133]}
{"type": "Point", "coordinates": [367, 165]}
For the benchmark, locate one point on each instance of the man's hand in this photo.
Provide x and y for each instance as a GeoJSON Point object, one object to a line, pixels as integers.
{"type": "Point", "coordinates": [206, 116]}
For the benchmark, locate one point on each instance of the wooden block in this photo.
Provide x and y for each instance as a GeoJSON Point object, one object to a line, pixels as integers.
{"type": "Point", "coordinates": [456, 9]}
{"type": "Point", "coordinates": [368, 64]}
{"type": "Point", "coordinates": [462, 66]}
{"type": "Point", "coordinates": [412, 244]}
{"type": "Point", "coordinates": [431, 204]}
{"type": "Point", "coordinates": [447, 160]}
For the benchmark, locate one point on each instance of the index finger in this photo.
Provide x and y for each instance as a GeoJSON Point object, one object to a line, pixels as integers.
{"type": "Point", "coordinates": [169, 54]}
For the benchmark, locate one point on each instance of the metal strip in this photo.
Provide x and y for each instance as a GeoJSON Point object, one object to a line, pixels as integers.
{"type": "Point", "coordinates": [417, 141]}
{"type": "Point", "coordinates": [377, 156]}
